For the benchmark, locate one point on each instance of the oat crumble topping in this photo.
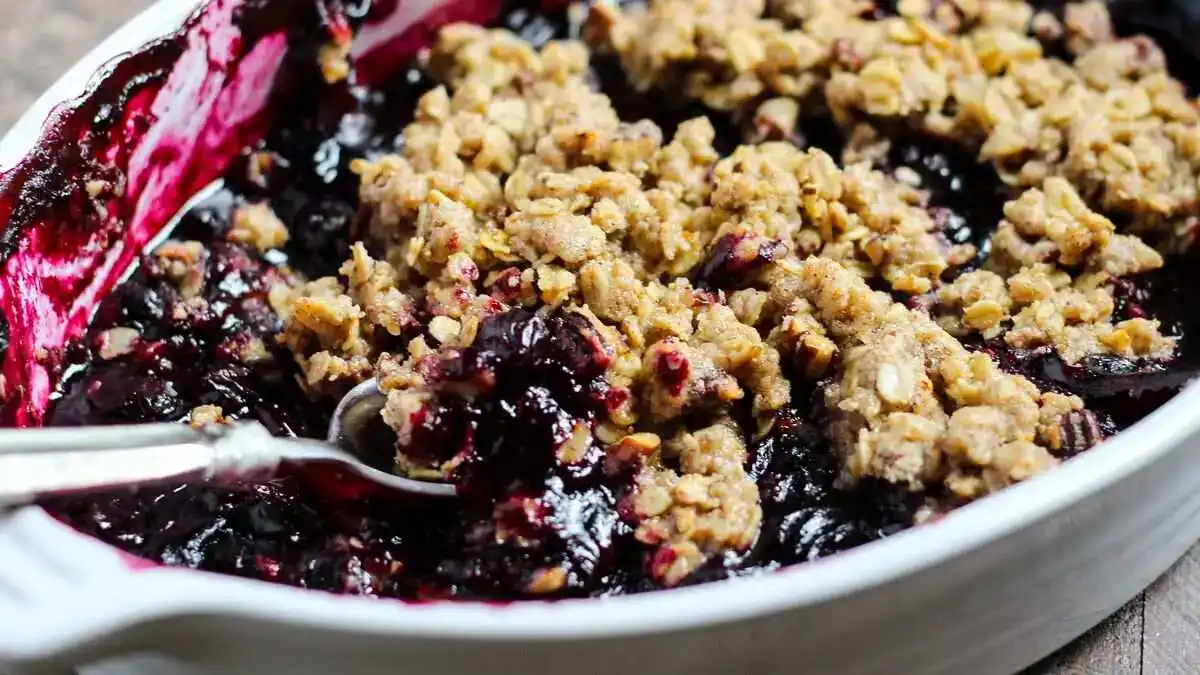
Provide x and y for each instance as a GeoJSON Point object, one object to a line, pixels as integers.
{"type": "Point", "coordinates": [258, 226]}
{"type": "Point", "coordinates": [206, 415]}
{"type": "Point", "coordinates": [1112, 129]}
{"type": "Point", "coordinates": [913, 406]}
{"type": "Point", "coordinates": [707, 506]}
{"type": "Point", "coordinates": [1027, 291]}
{"type": "Point", "coordinates": [1113, 123]}
{"type": "Point", "coordinates": [707, 279]}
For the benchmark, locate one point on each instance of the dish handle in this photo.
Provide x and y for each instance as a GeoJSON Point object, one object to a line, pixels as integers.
{"type": "Point", "coordinates": [46, 569]}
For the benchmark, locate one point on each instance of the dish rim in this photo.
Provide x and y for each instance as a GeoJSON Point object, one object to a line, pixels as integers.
{"type": "Point", "coordinates": [868, 566]}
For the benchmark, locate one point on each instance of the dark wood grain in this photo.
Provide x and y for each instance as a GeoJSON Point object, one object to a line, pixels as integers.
{"type": "Point", "coordinates": [1157, 634]}
{"type": "Point", "coordinates": [1112, 648]}
{"type": "Point", "coordinates": [39, 39]}
{"type": "Point", "coordinates": [1172, 620]}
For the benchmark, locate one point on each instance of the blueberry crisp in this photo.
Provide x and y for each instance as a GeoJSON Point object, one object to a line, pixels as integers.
{"type": "Point", "coordinates": [677, 290]}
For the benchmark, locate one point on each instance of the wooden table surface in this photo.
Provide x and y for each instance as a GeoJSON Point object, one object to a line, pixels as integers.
{"type": "Point", "coordinates": [1157, 634]}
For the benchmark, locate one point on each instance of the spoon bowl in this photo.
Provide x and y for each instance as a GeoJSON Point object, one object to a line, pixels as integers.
{"type": "Point", "coordinates": [358, 429]}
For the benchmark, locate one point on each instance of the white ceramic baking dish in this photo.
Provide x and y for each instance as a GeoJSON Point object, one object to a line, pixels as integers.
{"type": "Point", "coordinates": [990, 589]}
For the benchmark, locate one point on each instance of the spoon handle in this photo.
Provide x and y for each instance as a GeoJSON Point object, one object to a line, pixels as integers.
{"type": "Point", "coordinates": [40, 463]}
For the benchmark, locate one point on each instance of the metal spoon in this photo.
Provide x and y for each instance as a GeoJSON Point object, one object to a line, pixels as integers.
{"type": "Point", "coordinates": [40, 463]}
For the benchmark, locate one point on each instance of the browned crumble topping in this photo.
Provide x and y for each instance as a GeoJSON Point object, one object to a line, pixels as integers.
{"type": "Point", "coordinates": [1114, 123]}
{"type": "Point", "coordinates": [334, 61]}
{"type": "Point", "coordinates": [546, 581]}
{"type": "Point", "coordinates": [912, 406]}
{"type": "Point", "coordinates": [254, 350]}
{"type": "Point", "coordinates": [182, 263]}
{"type": "Point", "coordinates": [207, 415]}
{"type": "Point", "coordinates": [333, 57]}
{"type": "Point", "coordinates": [869, 222]}
{"type": "Point", "coordinates": [329, 326]}
{"type": "Point", "coordinates": [116, 342]}
{"type": "Point", "coordinates": [708, 506]}
{"type": "Point", "coordinates": [519, 186]}
{"type": "Point", "coordinates": [257, 225]}
{"type": "Point", "coordinates": [1086, 25]}
{"type": "Point", "coordinates": [1113, 130]}
{"type": "Point", "coordinates": [744, 54]}
{"type": "Point", "coordinates": [1028, 293]}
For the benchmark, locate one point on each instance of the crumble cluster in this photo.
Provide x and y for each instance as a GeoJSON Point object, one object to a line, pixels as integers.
{"type": "Point", "coordinates": [707, 505]}
{"type": "Point", "coordinates": [911, 404]}
{"type": "Point", "coordinates": [1113, 122]}
{"type": "Point", "coordinates": [710, 280]}
{"type": "Point", "coordinates": [1027, 292]}
{"type": "Point", "coordinates": [1111, 129]}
